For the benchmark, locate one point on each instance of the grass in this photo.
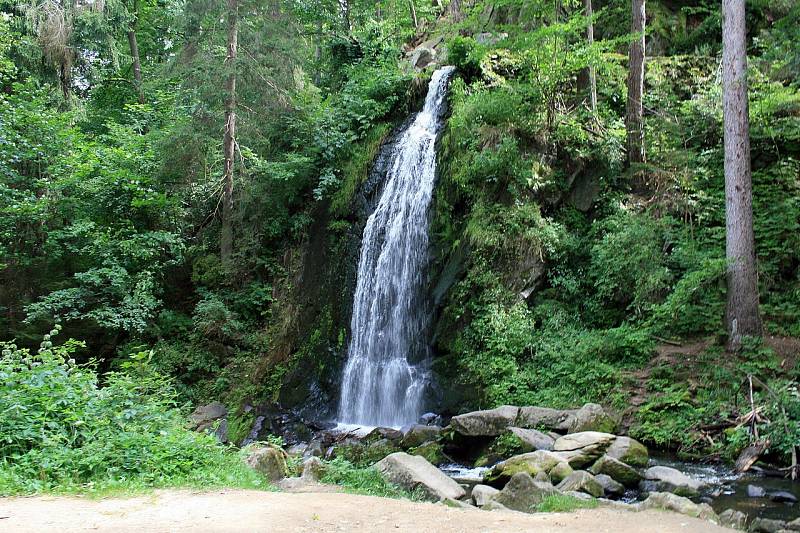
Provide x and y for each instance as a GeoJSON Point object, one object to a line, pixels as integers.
{"type": "Point", "coordinates": [367, 481]}
{"type": "Point", "coordinates": [563, 503]}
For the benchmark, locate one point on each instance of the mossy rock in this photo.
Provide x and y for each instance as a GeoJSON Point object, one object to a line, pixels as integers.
{"type": "Point", "coordinates": [432, 451]}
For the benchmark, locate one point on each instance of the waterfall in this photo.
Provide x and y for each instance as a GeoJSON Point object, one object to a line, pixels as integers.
{"type": "Point", "coordinates": [387, 367]}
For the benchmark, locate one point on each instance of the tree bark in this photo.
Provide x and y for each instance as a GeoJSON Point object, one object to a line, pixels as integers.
{"type": "Point", "coordinates": [134, 46]}
{"type": "Point", "coordinates": [344, 9]}
{"type": "Point", "coordinates": [592, 73]}
{"type": "Point", "coordinates": [634, 123]}
{"type": "Point", "coordinates": [742, 315]}
{"type": "Point", "coordinates": [413, 10]}
{"type": "Point", "coordinates": [229, 137]}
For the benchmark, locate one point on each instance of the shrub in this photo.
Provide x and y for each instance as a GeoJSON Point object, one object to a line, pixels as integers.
{"type": "Point", "coordinates": [62, 431]}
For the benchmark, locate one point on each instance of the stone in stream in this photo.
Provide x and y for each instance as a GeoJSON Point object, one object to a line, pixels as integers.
{"type": "Point", "coordinates": [794, 525]}
{"type": "Point", "coordinates": [782, 496]}
{"type": "Point", "coordinates": [268, 461]}
{"type": "Point", "coordinates": [419, 434]}
{"type": "Point", "coordinates": [488, 423]}
{"type": "Point", "coordinates": [767, 525]}
{"type": "Point", "coordinates": [413, 472]}
{"type": "Point", "coordinates": [664, 478]}
{"type": "Point", "coordinates": [733, 519]}
{"type": "Point", "coordinates": [581, 481]}
{"type": "Point", "coordinates": [679, 504]}
{"type": "Point", "coordinates": [523, 494]}
{"type": "Point", "coordinates": [581, 449]}
{"type": "Point", "coordinates": [617, 470]}
{"type": "Point", "coordinates": [532, 439]}
{"type": "Point", "coordinates": [531, 463]}
{"type": "Point", "coordinates": [610, 487]}
{"type": "Point", "coordinates": [629, 451]}
{"type": "Point", "coordinates": [754, 491]}
{"type": "Point", "coordinates": [483, 494]}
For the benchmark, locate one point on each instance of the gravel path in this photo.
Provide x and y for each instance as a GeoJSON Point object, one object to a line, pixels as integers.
{"type": "Point", "coordinates": [253, 511]}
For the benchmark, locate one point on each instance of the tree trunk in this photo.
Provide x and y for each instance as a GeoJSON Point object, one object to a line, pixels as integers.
{"type": "Point", "coordinates": [633, 117]}
{"type": "Point", "coordinates": [590, 40]}
{"type": "Point", "coordinates": [134, 46]}
{"type": "Point", "coordinates": [413, 10]}
{"type": "Point", "coordinates": [742, 316]}
{"type": "Point", "coordinates": [229, 138]}
{"type": "Point", "coordinates": [344, 8]}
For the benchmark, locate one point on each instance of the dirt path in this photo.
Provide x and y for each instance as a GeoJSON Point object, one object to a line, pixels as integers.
{"type": "Point", "coordinates": [251, 511]}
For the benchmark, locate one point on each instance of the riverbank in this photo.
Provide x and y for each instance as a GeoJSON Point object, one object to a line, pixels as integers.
{"type": "Point", "coordinates": [255, 511]}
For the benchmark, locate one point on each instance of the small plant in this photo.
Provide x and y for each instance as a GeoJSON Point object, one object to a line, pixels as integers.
{"type": "Point", "coordinates": [563, 503]}
{"type": "Point", "coordinates": [363, 480]}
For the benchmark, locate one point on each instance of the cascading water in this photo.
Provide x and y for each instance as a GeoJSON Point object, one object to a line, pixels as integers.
{"type": "Point", "coordinates": [387, 367]}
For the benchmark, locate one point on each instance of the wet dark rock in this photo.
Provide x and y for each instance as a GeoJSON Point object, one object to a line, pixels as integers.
{"type": "Point", "coordinates": [766, 525]}
{"type": "Point", "coordinates": [782, 496]}
{"type": "Point", "coordinates": [754, 491]}
{"type": "Point", "coordinates": [430, 419]}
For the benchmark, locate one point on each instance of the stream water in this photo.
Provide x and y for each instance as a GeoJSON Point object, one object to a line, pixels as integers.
{"type": "Point", "coordinates": [387, 367]}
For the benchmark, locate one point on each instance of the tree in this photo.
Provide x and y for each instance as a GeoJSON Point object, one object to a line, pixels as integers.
{"type": "Point", "coordinates": [590, 41]}
{"type": "Point", "coordinates": [742, 316]}
{"type": "Point", "coordinates": [229, 136]}
{"type": "Point", "coordinates": [134, 47]}
{"type": "Point", "coordinates": [633, 117]}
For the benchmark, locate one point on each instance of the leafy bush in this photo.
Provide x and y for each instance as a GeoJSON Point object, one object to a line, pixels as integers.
{"type": "Point", "coordinates": [364, 480]}
{"type": "Point", "coordinates": [62, 431]}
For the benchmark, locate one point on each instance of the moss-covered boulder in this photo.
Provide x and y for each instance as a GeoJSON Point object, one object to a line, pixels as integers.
{"type": "Point", "coordinates": [582, 481]}
{"type": "Point", "coordinates": [523, 494]}
{"type": "Point", "coordinates": [431, 451]}
{"type": "Point", "coordinates": [629, 451]}
{"type": "Point", "coordinates": [268, 461]}
{"type": "Point", "coordinates": [616, 470]}
{"type": "Point", "coordinates": [532, 463]}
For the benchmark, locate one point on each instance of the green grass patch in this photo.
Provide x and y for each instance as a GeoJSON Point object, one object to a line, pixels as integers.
{"type": "Point", "coordinates": [563, 503]}
{"type": "Point", "coordinates": [365, 480]}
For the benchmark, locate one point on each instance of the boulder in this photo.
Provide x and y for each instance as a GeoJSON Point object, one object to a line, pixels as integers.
{"type": "Point", "coordinates": [413, 472]}
{"type": "Point", "coordinates": [629, 451]}
{"type": "Point", "coordinates": [314, 449]}
{"type": "Point", "coordinates": [297, 450]}
{"type": "Point", "coordinates": [592, 417]}
{"type": "Point", "coordinates": [794, 525]}
{"type": "Point", "coordinates": [456, 504]}
{"type": "Point", "coordinates": [610, 487]}
{"type": "Point", "coordinates": [523, 494]}
{"type": "Point", "coordinates": [584, 448]}
{"type": "Point", "coordinates": [544, 417]}
{"type": "Point", "coordinates": [493, 505]}
{"type": "Point", "coordinates": [579, 495]}
{"type": "Point", "coordinates": [432, 451]}
{"type": "Point", "coordinates": [208, 413]}
{"type": "Point", "coordinates": [581, 481]}
{"type": "Point", "coordinates": [532, 439]}
{"type": "Point", "coordinates": [489, 423]}
{"type": "Point", "coordinates": [679, 504]}
{"type": "Point", "coordinates": [422, 57]}
{"type": "Point", "coordinates": [313, 469]}
{"type": "Point", "coordinates": [379, 434]}
{"type": "Point", "coordinates": [482, 494]}
{"type": "Point", "coordinates": [532, 463]}
{"type": "Point", "coordinates": [543, 477]}
{"type": "Point", "coordinates": [617, 470]}
{"type": "Point", "coordinates": [211, 419]}
{"type": "Point", "coordinates": [664, 478]}
{"type": "Point", "coordinates": [754, 491]}
{"type": "Point", "coordinates": [419, 434]}
{"type": "Point", "coordinates": [268, 461]}
{"type": "Point", "coordinates": [733, 519]}
{"type": "Point", "coordinates": [767, 525]}
{"type": "Point", "coordinates": [430, 419]}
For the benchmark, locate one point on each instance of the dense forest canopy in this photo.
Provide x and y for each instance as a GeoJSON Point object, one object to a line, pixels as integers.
{"type": "Point", "coordinates": [183, 180]}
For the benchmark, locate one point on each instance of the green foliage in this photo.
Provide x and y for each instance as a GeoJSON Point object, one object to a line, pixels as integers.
{"type": "Point", "coordinates": [362, 480]}
{"type": "Point", "coordinates": [64, 432]}
{"type": "Point", "coordinates": [563, 503]}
